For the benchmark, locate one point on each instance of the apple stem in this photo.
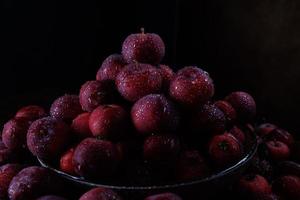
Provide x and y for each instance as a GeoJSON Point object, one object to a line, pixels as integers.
{"type": "Point", "coordinates": [143, 30]}
{"type": "Point", "coordinates": [223, 145]}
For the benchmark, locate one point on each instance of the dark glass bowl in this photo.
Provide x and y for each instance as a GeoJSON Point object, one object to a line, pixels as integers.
{"type": "Point", "coordinates": [205, 188]}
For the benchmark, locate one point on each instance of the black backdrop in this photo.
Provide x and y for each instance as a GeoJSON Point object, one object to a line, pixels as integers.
{"type": "Point", "coordinates": [51, 47]}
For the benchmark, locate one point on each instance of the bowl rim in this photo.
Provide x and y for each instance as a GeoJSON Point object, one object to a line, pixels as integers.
{"type": "Point", "coordinates": [249, 155]}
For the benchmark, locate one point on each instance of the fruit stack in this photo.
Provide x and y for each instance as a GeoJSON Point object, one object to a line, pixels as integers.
{"type": "Point", "coordinates": [140, 123]}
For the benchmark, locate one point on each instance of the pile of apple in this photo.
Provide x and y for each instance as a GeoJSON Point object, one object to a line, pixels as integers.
{"type": "Point", "coordinates": [140, 123]}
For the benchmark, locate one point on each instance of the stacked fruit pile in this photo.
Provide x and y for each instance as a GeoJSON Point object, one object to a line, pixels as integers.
{"type": "Point", "coordinates": [139, 123]}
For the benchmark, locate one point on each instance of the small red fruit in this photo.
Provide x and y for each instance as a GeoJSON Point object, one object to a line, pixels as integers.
{"type": "Point", "coordinates": [282, 136]}
{"type": "Point", "coordinates": [66, 108]}
{"type": "Point", "coordinates": [31, 113]}
{"type": "Point", "coordinates": [224, 149]}
{"type": "Point", "coordinates": [137, 80]}
{"type": "Point", "coordinates": [265, 129]}
{"type": "Point", "coordinates": [95, 158]}
{"type": "Point", "coordinates": [191, 165]}
{"type": "Point", "coordinates": [110, 67]}
{"type": "Point", "coordinates": [154, 113]}
{"type": "Point", "coordinates": [277, 150]}
{"type": "Point", "coordinates": [14, 133]}
{"type": "Point", "coordinates": [66, 162]}
{"type": "Point", "coordinates": [161, 148]}
{"type": "Point", "coordinates": [30, 183]}
{"type": "Point", "coordinates": [228, 111]}
{"type": "Point", "coordinates": [287, 187]}
{"type": "Point", "coordinates": [95, 93]}
{"type": "Point", "coordinates": [244, 105]}
{"type": "Point", "coordinates": [109, 121]}
{"type": "Point", "coordinates": [7, 172]}
{"type": "Point", "coordinates": [80, 125]}
{"type": "Point", "coordinates": [209, 119]}
{"type": "Point", "coordinates": [191, 86]}
{"type": "Point", "coordinates": [47, 137]}
{"type": "Point", "coordinates": [144, 48]}
{"type": "Point", "coordinates": [164, 196]}
{"type": "Point", "coordinates": [254, 186]}
{"type": "Point", "coordinates": [100, 194]}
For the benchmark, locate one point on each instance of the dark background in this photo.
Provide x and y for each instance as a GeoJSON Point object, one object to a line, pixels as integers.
{"type": "Point", "coordinates": [51, 47]}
